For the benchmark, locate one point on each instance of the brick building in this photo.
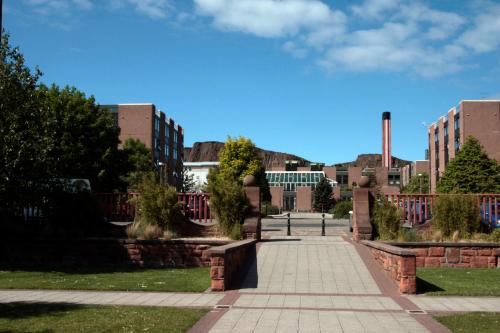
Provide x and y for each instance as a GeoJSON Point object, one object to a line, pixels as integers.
{"type": "Point", "coordinates": [479, 118]}
{"type": "Point", "coordinates": [413, 170]}
{"type": "Point", "coordinates": [158, 132]}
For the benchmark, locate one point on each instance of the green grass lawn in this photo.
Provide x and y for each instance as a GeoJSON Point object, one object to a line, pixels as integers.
{"type": "Point", "coordinates": [458, 281]}
{"type": "Point", "coordinates": [472, 322]}
{"type": "Point", "coordinates": [38, 318]}
{"type": "Point", "coordinates": [172, 280]}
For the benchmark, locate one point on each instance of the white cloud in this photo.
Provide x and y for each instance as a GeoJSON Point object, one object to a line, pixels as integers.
{"type": "Point", "coordinates": [155, 9]}
{"type": "Point", "coordinates": [485, 35]}
{"type": "Point", "coordinates": [294, 50]}
{"type": "Point", "coordinates": [270, 18]}
{"type": "Point", "coordinates": [375, 9]}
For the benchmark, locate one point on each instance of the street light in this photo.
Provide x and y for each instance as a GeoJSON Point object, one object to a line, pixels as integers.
{"type": "Point", "coordinates": [162, 171]}
{"type": "Point", "coordinates": [420, 182]}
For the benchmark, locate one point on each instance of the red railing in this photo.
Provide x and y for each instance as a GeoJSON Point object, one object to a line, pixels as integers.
{"type": "Point", "coordinates": [417, 208]}
{"type": "Point", "coordinates": [196, 206]}
{"type": "Point", "coordinates": [117, 207]}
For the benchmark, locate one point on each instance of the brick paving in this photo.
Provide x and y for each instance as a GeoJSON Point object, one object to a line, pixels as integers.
{"type": "Point", "coordinates": [111, 298]}
{"type": "Point", "coordinates": [457, 303]}
{"type": "Point", "coordinates": [313, 284]}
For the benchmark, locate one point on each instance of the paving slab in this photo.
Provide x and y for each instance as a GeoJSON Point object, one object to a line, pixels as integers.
{"type": "Point", "coordinates": [456, 303]}
{"type": "Point", "coordinates": [112, 298]}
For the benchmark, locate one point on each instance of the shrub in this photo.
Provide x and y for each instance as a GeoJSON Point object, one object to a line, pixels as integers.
{"type": "Point", "coordinates": [386, 220]}
{"type": "Point", "coordinates": [152, 231]}
{"type": "Point", "coordinates": [408, 235]}
{"type": "Point", "coordinates": [268, 209]}
{"type": "Point", "coordinates": [495, 235]}
{"type": "Point", "coordinates": [341, 209]}
{"type": "Point", "coordinates": [158, 205]}
{"type": "Point", "coordinates": [456, 213]}
{"type": "Point", "coordinates": [227, 201]}
{"type": "Point", "coordinates": [133, 230]}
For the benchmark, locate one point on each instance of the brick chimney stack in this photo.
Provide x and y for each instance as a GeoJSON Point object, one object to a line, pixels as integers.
{"type": "Point", "coordinates": [386, 140]}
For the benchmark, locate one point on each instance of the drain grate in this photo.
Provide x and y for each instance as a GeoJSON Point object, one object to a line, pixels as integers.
{"type": "Point", "coordinates": [222, 306]}
{"type": "Point", "coordinates": [416, 312]}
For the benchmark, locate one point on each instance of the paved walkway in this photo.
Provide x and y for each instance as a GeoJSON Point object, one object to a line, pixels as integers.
{"type": "Point", "coordinates": [112, 298]}
{"type": "Point", "coordinates": [313, 284]}
{"type": "Point", "coordinates": [296, 284]}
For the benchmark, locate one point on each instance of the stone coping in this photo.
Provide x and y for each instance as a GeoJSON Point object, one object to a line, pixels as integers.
{"type": "Point", "coordinates": [215, 242]}
{"type": "Point", "coordinates": [443, 244]}
{"type": "Point", "coordinates": [220, 250]}
{"type": "Point", "coordinates": [389, 248]}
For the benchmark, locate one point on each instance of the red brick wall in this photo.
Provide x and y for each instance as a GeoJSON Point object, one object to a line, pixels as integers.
{"type": "Point", "coordinates": [304, 199]}
{"type": "Point", "coordinates": [400, 268]}
{"type": "Point", "coordinates": [136, 121]}
{"type": "Point", "coordinates": [453, 255]}
{"type": "Point", "coordinates": [227, 261]}
{"type": "Point", "coordinates": [103, 252]}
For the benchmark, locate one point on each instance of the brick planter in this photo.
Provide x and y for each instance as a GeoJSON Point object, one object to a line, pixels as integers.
{"type": "Point", "coordinates": [227, 261]}
{"type": "Point", "coordinates": [105, 252]}
{"type": "Point", "coordinates": [399, 263]}
{"type": "Point", "coordinates": [459, 255]}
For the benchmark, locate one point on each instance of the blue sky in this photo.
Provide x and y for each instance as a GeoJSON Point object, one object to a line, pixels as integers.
{"type": "Point", "coordinates": [307, 77]}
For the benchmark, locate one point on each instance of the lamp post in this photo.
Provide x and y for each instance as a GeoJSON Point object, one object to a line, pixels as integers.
{"type": "Point", "coordinates": [420, 182]}
{"type": "Point", "coordinates": [162, 171]}
{"type": "Point", "coordinates": [1, 15]}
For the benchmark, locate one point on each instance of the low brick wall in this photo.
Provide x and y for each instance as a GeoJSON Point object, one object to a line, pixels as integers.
{"type": "Point", "coordinates": [459, 255]}
{"type": "Point", "coordinates": [228, 260]}
{"type": "Point", "coordinates": [102, 252]}
{"type": "Point", "coordinates": [399, 263]}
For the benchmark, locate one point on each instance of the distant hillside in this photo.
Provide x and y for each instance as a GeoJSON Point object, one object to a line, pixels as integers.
{"type": "Point", "coordinates": [372, 161]}
{"type": "Point", "coordinates": [209, 151]}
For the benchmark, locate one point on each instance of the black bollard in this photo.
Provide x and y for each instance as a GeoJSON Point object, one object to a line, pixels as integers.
{"type": "Point", "coordinates": [323, 225]}
{"type": "Point", "coordinates": [288, 232]}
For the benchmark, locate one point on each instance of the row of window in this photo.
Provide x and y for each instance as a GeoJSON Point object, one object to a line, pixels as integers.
{"type": "Point", "coordinates": [309, 178]}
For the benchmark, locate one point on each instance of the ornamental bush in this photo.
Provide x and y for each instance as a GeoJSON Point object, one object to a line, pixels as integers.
{"type": "Point", "coordinates": [341, 209]}
{"type": "Point", "coordinates": [386, 219]}
{"type": "Point", "coordinates": [456, 212]}
{"type": "Point", "coordinates": [158, 205]}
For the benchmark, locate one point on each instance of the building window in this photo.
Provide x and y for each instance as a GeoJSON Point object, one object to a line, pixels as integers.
{"type": "Point", "coordinates": [394, 179]}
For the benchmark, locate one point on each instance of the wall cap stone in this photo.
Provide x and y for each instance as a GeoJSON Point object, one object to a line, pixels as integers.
{"type": "Point", "coordinates": [442, 244]}
{"type": "Point", "coordinates": [221, 250]}
{"type": "Point", "coordinates": [388, 248]}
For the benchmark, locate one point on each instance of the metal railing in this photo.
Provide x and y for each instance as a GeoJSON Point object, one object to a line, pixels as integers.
{"type": "Point", "coordinates": [196, 206]}
{"type": "Point", "coordinates": [417, 208]}
{"type": "Point", "coordinates": [117, 206]}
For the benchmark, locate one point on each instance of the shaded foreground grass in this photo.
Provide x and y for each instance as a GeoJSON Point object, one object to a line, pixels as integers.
{"type": "Point", "coordinates": [458, 281]}
{"type": "Point", "coordinates": [168, 280]}
{"type": "Point", "coordinates": [38, 318]}
{"type": "Point", "coordinates": [472, 322]}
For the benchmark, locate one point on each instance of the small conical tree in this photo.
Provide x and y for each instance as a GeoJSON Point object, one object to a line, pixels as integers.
{"type": "Point", "coordinates": [323, 198]}
{"type": "Point", "coordinates": [471, 171]}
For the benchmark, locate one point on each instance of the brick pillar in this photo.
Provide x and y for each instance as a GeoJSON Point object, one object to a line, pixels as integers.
{"type": "Point", "coordinates": [361, 225]}
{"type": "Point", "coordinates": [252, 223]}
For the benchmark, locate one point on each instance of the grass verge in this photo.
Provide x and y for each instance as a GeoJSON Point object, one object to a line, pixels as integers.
{"type": "Point", "coordinates": [168, 280]}
{"type": "Point", "coordinates": [458, 281]}
{"type": "Point", "coordinates": [38, 318]}
{"type": "Point", "coordinates": [472, 322]}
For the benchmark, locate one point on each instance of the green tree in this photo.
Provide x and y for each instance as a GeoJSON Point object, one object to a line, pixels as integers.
{"type": "Point", "coordinates": [323, 196]}
{"type": "Point", "coordinates": [23, 138]}
{"type": "Point", "coordinates": [418, 183]}
{"type": "Point", "coordinates": [140, 162]}
{"type": "Point", "coordinates": [188, 183]}
{"type": "Point", "coordinates": [239, 158]}
{"type": "Point", "coordinates": [471, 171]}
{"type": "Point", "coordinates": [84, 139]}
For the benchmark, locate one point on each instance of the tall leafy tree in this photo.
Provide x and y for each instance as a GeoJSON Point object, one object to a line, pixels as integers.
{"type": "Point", "coordinates": [84, 138]}
{"type": "Point", "coordinates": [23, 136]}
{"type": "Point", "coordinates": [418, 183]}
{"type": "Point", "coordinates": [471, 171]}
{"type": "Point", "coordinates": [239, 158]}
{"type": "Point", "coordinates": [323, 196]}
{"type": "Point", "coordinates": [140, 162]}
